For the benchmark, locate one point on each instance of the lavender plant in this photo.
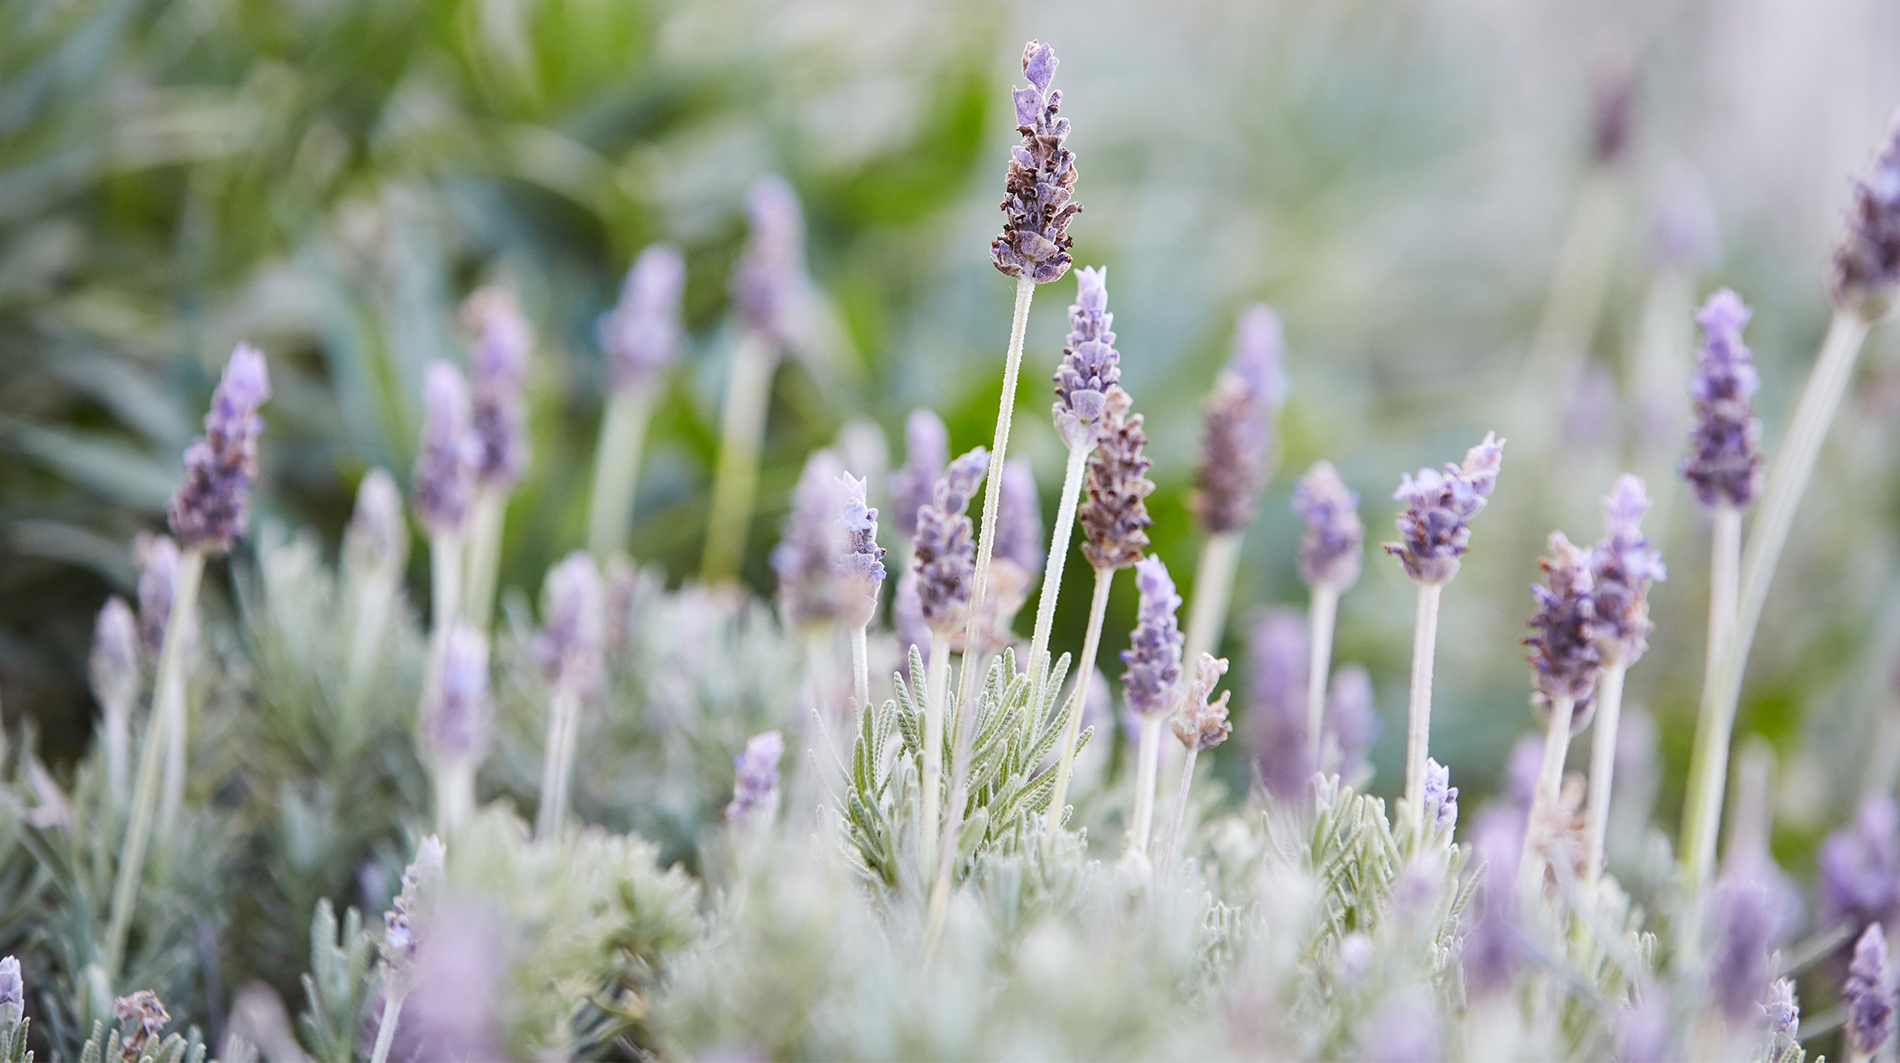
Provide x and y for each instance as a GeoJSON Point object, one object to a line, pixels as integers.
{"type": "Point", "coordinates": [641, 337]}
{"type": "Point", "coordinates": [498, 369]}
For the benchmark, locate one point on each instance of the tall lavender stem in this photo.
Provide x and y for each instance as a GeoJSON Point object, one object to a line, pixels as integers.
{"type": "Point", "coordinates": [1418, 727]}
{"type": "Point", "coordinates": [1199, 725]}
{"type": "Point", "coordinates": [1213, 592]}
{"type": "Point", "coordinates": [641, 337]}
{"type": "Point", "coordinates": [569, 647]}
{"type": "Point", "coordinates": [114, 670]}
{"type": "Point", "coordinates": [1330, 560]}
{"type": "Point", "coordinates": [1085, 668]}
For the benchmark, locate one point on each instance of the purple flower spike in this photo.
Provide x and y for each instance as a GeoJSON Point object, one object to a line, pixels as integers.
{"type": "Point", "coordinates": [1867, 266]}
{"type": "Point", "coordinates": [1152, 684]}
{"type": "Point", "coordinates": [444, 478]}
{"type": "Point", "coordinates": [946, 554]}
{"type": "Point", "coordinates": [1405, 1030]}
{"type": "Point", "coordinates": [574, 617]}
{"type": "Point", "coordinates": [114, 664]}
{"type": "Point", "coordinates": [806, 557]}
{"type": "Point", "coordinates": [158, 576]}
{"type": "Point", "coordinates": [1783, 1013]}
{"type": "Point", "coordinates": [1435, 525]}
{"type": "Point", "coordinates": [1202, 724]}
{"type": "Point", "coordinates": [1019, 534]}
{"type": "Point", "coordinates": [1090, 364]}
{"type": "Point", "coordinates": [455, 719]}
{"type": "Point", "coordinates": [1035, 241]}
{"type": "Point", "coordinates": [1237, 437]}
{"type": "Point", "coordinates": [1644, 1030]}
{"type": "Point", "coordinates": [769, 282]}
{"type": "Point", "coordinates": [1332, 548]}
{"type": "Point", "coordinates": [12, 991]}
{"type": "Point", "coordinates": [1723, 466]}
{"type": "Point", "coordinates": [1746, 929]}
{"type": "Point", "coordinates": [927, 446]}
{"type": "Point", "coordinates": [498, 365]}
{"type": "Point", "coordinates": [755, 783]}
{"type": "Point", "coordinates": [642, 333]}
{"type": "Point", "coordinates": [1441, 797]}
{"type": "Point", "coordinates": [1259, 354]}
{"type": "Point", "coordinates": [210, 510]}
{"type": "Point", "coordinates": [907, 620]}
{"type": "Point", "coordinates": [1622, 566]}
{"type": "Point", "coordinates": [1276, 709]}
{"type": "Point", "coordinates": [1868, 994]}
{"type": "Point", "coordinates": [378, 535]}
{"type": "Point", "coordinates": [861, 564]}
{"type": "Point", "coordinates": [1351, 725]}
{"type": "Point", "coordinates": [1860, 867]}
{"type": "Point", "coordinates": [1113, 513]}
{"type": "Point", "coordinates": [1563, 637]}
{"type": "Point", "coordinates": [1494, 947]}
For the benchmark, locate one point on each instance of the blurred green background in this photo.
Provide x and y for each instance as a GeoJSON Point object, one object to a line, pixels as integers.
{"type": "Point", "coordinates": [328, 178]}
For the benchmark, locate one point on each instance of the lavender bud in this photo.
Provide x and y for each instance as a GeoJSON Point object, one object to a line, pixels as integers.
{"type": "Point", "coordinates": [444, 478]}
{"type": "Point", "coordinates": [1405, 1030]}
{"type": "Point", "coordinates": [1332, 548]}
{"type": "Point", "coordinates": [573, 616]}
{"type": "Point", "coordinates": [1237, 437]}
{"type": "Point", "coordinates": [623, 587]}
{"type": "Point", "coordinates": [1645, 1029]}
{"type": "Point", "coordinates": [907, 618]}
{"type": "Point", "coordinates": [456, 1003]}
{"type": "Point", "coordinates": [755, 783]}
{"type": "Point", "coordinates": [12, 992]}
{"type": "Point", "coordinates": [1622, 566]}
{"type": "Point", "coordinates": [377, 539]}
{"type": "Point", "coordinates": [861, 564]}
{"type": "Point", "coordinates": [1723, 466]}
{"type": "Point", "coordinates": [1019, 535]}
{"type": "Point", "coordinates": [1351, 725]}
{"type": "Point", "coordinates": [1276, 710]}
{"type": "Point", "coordinates": [927, 447]}
{"type": "Point", "coordinates": [1113, 513]}
{"type": "Point", "coordinates": [455, 717]}
{"type": "Point", "coordinates": [114, 665]}
{"type": "Point", "coordinates": [806, 557]}
{"type": "Point", "coordinates": [1563, 637]}
{"type": "Point", "coordinates": [1744, 929]}
{"type": "Point", "coordinates": [1868, 994]}
{"type": "Point", "coordinates": [421, 883]}
{"type": "Point", "coordinates": [1441, 797]}
{"type": "Point", "coordinates": [1435, 525]}
{"type": "Point", "coordinates": [158, 564]}
{"type": "Point", "coordinates": [1035, 241]}
{"type": "Point", "coordinates": [769, 282]}
{"type": "Point", "coordinates": [642, 333]}
{"type": "Point", "coordinates": [1860, 867]}
{"type": "Point", "coordinates": [1090, 364]}
{"type": "Point", "coordinates": [498, 367]}
{"type": "Point", "coordinates": [142, 1017]}
{"type": "Point", "coordinates": [946, 555]}
{"type": "Point", "coordinates": [1201, 724]}
{"type": "Point", "coordinates": [1494, 944]}
{"type": "Point", "coordinates": [1783, 1013]}
{"type": "Point", "coordinates": [1152, 683]}
{"type": "Point", "coordinates": [1259, 354]}
{"type": "Point", "coordinates": [210, 510]}
{"type": "Point", "coordinates": [1867, 266]}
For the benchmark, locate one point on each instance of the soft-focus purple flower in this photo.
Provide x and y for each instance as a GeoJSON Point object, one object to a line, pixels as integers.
{"type": "Point", "coordinates": [1682, 229]}
{"type": "Point", "coordinates": [377, 538]}
{"type": "Point", "coordinates": [211, 508]}
{"type": "Point", "coordinates": [642, 333]}
{"type": "Point", "coordinates": [455, 716]}
{"type": "Point", "coordinates": [861, 563]}
{"type": "Point", "coordinates": [1645, 1030]}
{"type": "Point", "coordinates": [755, 780]}
{"type": "Point", "coordinates": [1744, 929]}
{"type": "Point", "coordinates": [1152, 684]}
{"type": "Point", "coordinates": [806, 557]}
{"type": "Point", "coordinates": [1351, 724]}
{"type": "Point", "coordinates": [1036, 208]}
{"type": "Point", "coordinates": [1860, 867]}
{"type": "Point", "coordinates": [141, 1017]}
{"type": "Point", "coordinates": [1563, 641]}
{"type": "Point", "coordinates": [1867, 266]}
{"type": "Point", "coordinates": [927, 451]}
{"type": "Point", "coordinates": [1019, 535]}
{"type": "Point", "coordinates": [1332, 548]}
{"type": "Point", "coordinates": [623, 588]}
{"type": "Point", "coordinates": [1276, 703]}
{"type": "Point", "coordinates": [1201, 724]}
{"type": "Point", "coordinates": [12, 991]}
{"type": "Point", "coordinates": [769, 282]}
{"type": "Point", "coordinates": [1494, 943]}
{"type": "Point", "coordinates": [498, 369]}
{"type": "Point", "coordinates": [1090, 364]}
{"type": "Point", "coordinates": [444, 479]}
{"type": "Point", "coordinates": [114, 663]}
{"type": "Point", "coordinates": [907, 619]}
{"type": "Point", "coordinates": [573, 621]}
{"type": "Point", "coordinates": [1405, 1030]}
{"type": "Point", "coordinates": [157, 556]}
{"type": "Point", "coordinates": [1258, 356]}
{"type": "Point", "coordinates": [1519, 785]}
{"type": "Point", "coordinates": [455, 1007]}
{"type": "Point", "coordinates": [1783, 1013]}
{"type": "Point", "coordinates": [1435, 525]}
{"type": "Point", "coordinates": [1591, 408]}
{"type": "Point", "coordinates": [1622, 567]}
{"type": "Point", "coordinates": [1113, 512]}
{"type": "Point", "coordinates": [1868, 994]}
{"type": "Point", "coordinates": [402, 942]}
{"type": "Point", "coordinates": [946, 554]}
{"type": "Point", "coordinates": [1440, 800]}
{"type": "Point", "coordinates": [1723, 465]}
{"type": "Point", "coordinates": [1237, 432]}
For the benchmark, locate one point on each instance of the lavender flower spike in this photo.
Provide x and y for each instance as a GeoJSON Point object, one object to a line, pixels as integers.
{"type": "Point", "coordinates": [1036, 208]}
{"type": "Point", "coordinates": [1868, 994]}
{"type": "Point", "coordinates": [574, 619]}
{"type": "Point", "coordinates": [1860, 867]}
{"type": "Point", "coordinates": [861, 563]}
{"type": "Point", "coordinates": [1745, 931]}
{"type": "Point", "coordinates": [1867, 266]}
{"type": "Point", "coordinates": [1441, 797]}
{"type": "Point", "coordinates": [1090, 364]}
{"type": "Point", "coordinates": [1151, 686]}
{"type": "Point", "coordinates": [455, 716]}
{"type": "Point", "coordinates": [377, 538]}
{"type": "Point", "coordinates": [12, 992]}
{"type": "Point", "coordinates": [1724, 466]}
{"type": "Point", "coordinates": [1019, 534]}
{"type": "Point", "coordinates": [114, 664]}
{"type": "Point", "coordinates": [1331, 550]}
{"type": "Point", "coordinates": [642, 333]}
{"type": "Point", "coordinates": [927, 447]}
{"type": "Point", "coordinates": [498, 366]}
{"type": "Point", "coordinates": [1113, 513]}
{"type": "Point", "coordinates": [1202, 724]}
{"type": "Point", "coordinates": [768, 284]}
{"type": "Point", "coordinates": [210, 510]}
{"type": "Point", "coordinates": [1237, 440]}
{"type": "Point", "coordinates": [946, 554]}
{"type": "Point", "coordinates": [1435, 525]}
{"type": "Point", "coordinates": [142, 1017]}
{"type": "Point", "coordinates": [1563, 637]}
{"type": "Point", "coordinates": [1783, 1013]}
{"type": "Point", "coordinates": [444, 479]}
{"type": "Point", "coordinates": [755, 785]}
{"type": "Point", "coordinates": [806, 557]}
{"type": "Point", "coordinates": [157, 556]}
{"type": "Point", "coordinates": [1622, 566]}
{"type": "Point", "coordinates": [1276, 704]}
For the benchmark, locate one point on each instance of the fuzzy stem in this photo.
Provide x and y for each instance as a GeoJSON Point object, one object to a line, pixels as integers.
{"type": "Point", "coordinates": [1180, 810]}
{"type": "Point", "coordinates": [623, 430]}
{"type": "Point", "coordinates": [375, 593]}
{"type": "Point", "coordinates": [386, 1032]}
{"type": "Point", "coordinates": [454, 794]}
{"type": "Point", "coordinates": [1147, 768]}
{"type": "Point", "coordinates": [1084, 675]}
{"type": "Point", "coordinates": [1602, 767]}
{"type": "Point", "coordinates": [860, 671]}
{"type": "Point", "coordinates": [748, 391]}
{"type": "Point", "coordinates": [1418, 728]}
{"type": "Point", "coordinates": [168, 705]}
{"type": "Point", "coordinates": [558, 767]}
{"type": "Point", "coordinates": [118, 743]}
{"type": "Point", "coordinates": [1213, 586]}
{"type": "Point", "coordinates": [936, 674]}
{"type": "Point", "coordinates": [170, 689]}
{"type": "Point", "coordinates": [1550, 777]}
{"type": "Point", "coordinates": [1324, 607]}
{"type": "Point", "coordinates": [1052, 571]}
{"type": "Point", "coordinates": [483, 554]}
{"type": "Point", "coordinates": [445, 591]}
{"type": "Point", "coordinates": [1702, 811]}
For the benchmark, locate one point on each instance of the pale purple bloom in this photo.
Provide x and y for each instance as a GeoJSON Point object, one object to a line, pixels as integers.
{"type": "Point", "coordinates": [1519, 784]}
{"type": "Point", "coordinates": [1351, 724]}
{"type": "Point", "coordinates": [444, 479]}
{"type": "Point", "coordinates": [623, 587]}
{"type": "Point", "coordinates": [498, 369]}
{"type": "Point", "coordinates": [1276, 709]}
{"type": "Point", "coordinates": [927, 450]}
{"type": "Point", "coordinates": [806, 557]}
{"type": "Point", "coordinates": [1441, 797]}
{"type": "Point", "coordinates": [455, 717]}
{"type": "Point", "coordinates": [1405, 1030]}
{"type": "Point", "coordinates": [1868, 993]}
{"type": "Point", "coordinates": [1744, 928]}
{"type": "Point", "coordinates": [1682, 226]}
{"type": "Point", "coordinates": [1783, 1013]}
{"type": "Point", "coordinates": [1258, 356]}
{"type": "Point", "coordinates": [456, 1007]}
{"type": "Point", "coordinates": [377, 537]}
{"type": "Point", "coordinates": [1435, 525]}
{"type": "Point", "coordinates": [1622, 567]}
{"type": "Point", "coordinates": [1867, 266]}
{"type": "Point", "coordinates": [157, 556]}
{"type": "Point", "coordinates": [861, 563]}
{"type": "Point", "coordinates": [907, 618]}
{"type": "Point", "coordinates": [211, 508]}
{"type": "Point", "coordinates": [573, 617]}
{"type": "Point", "coordinates": [946, 553]}
{"type": "Point", "coordinates": [1090, 364]}
{"type": "Point", "coordinates": [1645, 1030]}
{"type": "Point", "coordinates": [1152, 684]}
{"type": "Point", "coordinates": [1860, 867]}
{"type": "Point", "coordinates": [1494, 943]}
{"type": "Point", "coordinates": [1201, 724]}
{"type": "Point", "coordinates": [1113, 511]}
{"type": "Point", "coordinates": [642, 333]}
{"type": "Point", "coordinates": [769, 282]}
{"type": "Point", "coordinates": [1563, 641]}
{"type": "Point", "coordinates": [1035, 240]}
{"type": "Point", "coordinates": [1019, 535]}
{"type": "Point", "coordinates": [12, 991]}
{"type": "Point", "coordinates": [755, 781]}
{"type": "Point", "coordinates": [1723, 465]}
{"type": "Point", "coordinates": [1237, 433]}
{"type": "Point", "coordinates": [402, 942]}
{"type": "Point", "coordinates": [1332, 548]}
{"type": "Point", "coordinates": [114, 663]}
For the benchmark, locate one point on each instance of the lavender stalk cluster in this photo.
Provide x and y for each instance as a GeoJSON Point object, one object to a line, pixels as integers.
{"type": "Point", "coordinates": [860, 565]}
{"type": "Point", "coordinates": [1868, 994]}
{"type": "Point", "coordinates": [755, 781]}
{"type": "Point", "coordinates": [1622, 566]}
{"type": "Point", "coordinates": [1441, 797]}
{"type": "Point", "coordinates": [1860, 867]}
{"type": "Point", "coordinates": [642, 333]}
{"type": "Point", "coordinates": [1114, 511]}
{"type": "Point", "coordinates": [455, 718]}
{"type": "Point", "coordinates": [946, 553]}
{"type": "Point", "coordinates": [1563, 640]}
{"type": "Point", "coordinates": [498, 367]}
{"type": "Point", "coordinates": [1867, 265]}
{"type": "Point", "coordinates": [157, 556]}
{"type": "Point", "coordinates": [1036, 203]}
{"type": "Point", "coordinates": [1435, 525]}
{"type": "Point", "coordinates": [1724, 465]}
{"type": "Point", "coordinates": [568, 646]}
{"type": "Point", "coordinates": [1152, 684]}
{"type": "Point", "coordinates": [1237, 435]}
{"type": "Point", "coordinates": [927, 451]}
{"type": "Point", "coordinates": [806, 557]}
{"type": "Point", "coordinates": [769, 283]}
{"type": "Point", "coordinates": [444, 481]}
{"type": "Point", "coordinates": [1090, 364]}
{"type": "Point", "coordinates": [210, 510]}
{"type": "Point", "coordinates": [1331, 550]}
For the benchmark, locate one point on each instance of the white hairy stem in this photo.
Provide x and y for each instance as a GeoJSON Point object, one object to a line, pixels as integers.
{"type": "Point", "coordinates": [1052, 571]}
{"type": "Point", "coordinates": [1418, 728]}
{"type": "Point", "coordinates": [386, 1032]}
{"type": "Point", "coordinates": [623, 430]}
{"type": "Point", "coordinates": [1320, 615]}
{"type": "Point", "coordinates": [1084, 675]}
{"type": "Point", "coordinates": [742, 434]}
{"type": "Point", "coordinates": [1213, 586]}
{"type": "Point", "coordinates": [483, 549]}
{"type": "Point", "coordinates": [1147, 766]}
{"type": "Point", "coordinates": [1602, 767]}
{"type": "Point", "coordinates": [558, 765]}
{"type": "Point", "coordinates": [1180, 811]}
{"type": "Point", "coordinates": [1550, 777]}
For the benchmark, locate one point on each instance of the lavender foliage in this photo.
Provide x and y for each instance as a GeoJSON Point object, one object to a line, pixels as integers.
{"type": "Point", "coordinates": [1622, 566]}
{"type": "Point", "coordinates": [1036, 204]}
{"type": "Point", "coordinates": [1435, 525]}
{"type": "Point", "coordinates": [1114, 512]}
{"type": "Point", "coordinates": [927, 451]}
{"type": "Point", "coordinates": [212, 507]}
{"type": "Point", "coordinates": [642, 334]}
{"type": "Point", "coordinates": [444, 480]}
{"type": "Point", "coordinates": [1723, 465]}
{"type": "Point", "coordinates": [1152, 684]}
{"type": "Point", "coordinates": [498, 369]}
{"type": "Point", "coordinates": [1869, 994]}
{"type": "Point", "coordinates": [1090, 364]}
{"type": "Point", "coordinates": [1564, 657]}
{"type": "Point", "coordinates": [946, 553]}
{"type": "Point", "coordinates": [1332, 547]}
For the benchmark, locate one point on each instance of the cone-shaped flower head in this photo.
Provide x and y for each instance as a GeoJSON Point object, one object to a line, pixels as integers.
{"type": "Point", "coordinates": [573, 623]}
{"type": "Point", "coordinates": [1868, 994]}
{"type": "Point", "coordinates": [641, 334]}
{"type": "Point", "coordinates": [455, 718]}
{"type": "Point", "coordinates": [114, 665]}
{"type": "Point", "coordinates": [1152, 684]}
{"type": "Point", "coordinates": [1333, 546]}
{"type": "Point", "coordinates": [1783, 1012]}
{"type": "Point", "coordinates": [861, 563]}
{"type": "Point", "coordinates": [210, 510]}
{"type": "Point", "coordinates": [1441, 797]}
{"type": "Point", "coordinates": [1745, 928]}
{"type": "Point", "coordinates": [1019, 538]}
{"type": "Point", "coordinates": [1435, 525]}
{"type": "Point", "coordinates": [1202, 724]}
{"type": "Point", "coordinates": [158, 576]}
{"type": "Point", "coordinates": [422, 883]}
{"type": "Point", "coordinates": [1860, 867]}
{"type": "Point", "coordinates": [498, 366]}
{"type": "Point", "coordinates": [1723, 465]}
{"type": "Point", "coordinates": [1682, 228]}
{"type": "Point", "coordinates": [927, 451]}
{"type": "Point", "coordinates": [1090, 364]}
{"type": "Point", "coordinates": [377, 538]}
{"type": "Point", "coordinates": [946, 553]}
{"type": "Point", "coordinates": [1114, 513]}
{"type": "Point", "coordinates": [456, 1005]}
{"type": "Point", "coordinates": [1036, 209]}
{"type": "Point", "coordinates": [768, 284]}
{"type": "Point", "coordinates": [806, 557]}
{"type": "Point", "coordinates": [12, 991]}
{"type": "Point", "coordinates": [755, 781]}
{"type": "Point", "coordinates": [1867, 266]}
{"type": "Point", "coordinates": [142, 1017]}
{"type": "Point", "coordinates": [1237, 436]}
{"type": "Point", "coordinates": [1622, 566]}
{"type": "Point", "coordinates": [444, 478]}
{"type": "Point", "coordinates": [1563, 637]}
{"type": "Point", "coordinates": [1276, 702]}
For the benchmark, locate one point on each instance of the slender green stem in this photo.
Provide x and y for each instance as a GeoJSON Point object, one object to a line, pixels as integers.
{"type": "Point", "coordinates": [558, 766]}
{"type": "Point", "coordinates": [1602, 767]}
{"type": "Point", "coordinates": [1180, 811]}
{"type": "Point", "coordinates": [375, 594]}
{"type": "Point", "coordinates": [1147, 771]}
{"type": "Point", "coordinates": [736, 483]}
{"type": "Point", "coordinates": [1213, 586]}
{"type": "Point", "coordinates": [1550, 778]}
{"type": "Point", "coordinates": [169, 689]}
{"type": "Point", "coordinates": [1052, 571]}
{"type": "Point", "coordinates": [1418, 728]}
{"type": "Point", "coordinates": [623, 430]}
{"type": "Point", "coordinates": [1712, 732]}
{"type": "Point", "coordinates": [454, 795]}
{"type": "Point", "coordinates": [482, 554]}
{"type": "Point", "coordinates": [386, 1033]}
{"type": "Point", "coordinates": [445, 592]}
{"type": "Point", "coordinates": [168, 702]}
{"type": "Point", "coordinates": [1320, 615]}
{"type": "Point", "coordinates": [1084, 675]}
{"type": "Point", "coordinates": [1573, 303]}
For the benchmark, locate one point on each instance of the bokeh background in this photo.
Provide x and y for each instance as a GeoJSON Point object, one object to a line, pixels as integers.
{"type": "Point", "coordinates": [329, 178]}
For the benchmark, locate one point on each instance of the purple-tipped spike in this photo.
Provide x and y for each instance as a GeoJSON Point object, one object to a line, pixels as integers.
{"type": "Point", "coordinates": [1237, 436]}
{"type": "Point", "coordinates": [455, 718]}
{"type": "Point", "coordinates": [1563, 641]}
{"type": "Point", "coordinates": [498, 366]}
{"type": "Point", "coordinates": [1090, 364]}
{"type": "Point", "coordinates": [444, 478]}
{"type": "Point", "coordinates": [1152, 684]}
{"type": "Point", "coordinates": [755, 783]}
{"type": "Point", "coordinates": [114, 664]}
{"type": "Point", "coordinates": [1114, 513]}
{"type": "Point", "coordinates": [1435, 525]}
{"type": "Point", "coordinates": [1867, 266]}
{"type": "Point", "coordinates": [573, 622]}
{"type": "Point", "coordinates": [1333, 546]}
{"type": "Point", "coordinates": [806, 557]}
{"type": "Point", "coordinates": [1441, 797]}
{"type": "Point", "coordinates": [642, 333]}
{"type": "Point", "coordinates": [1276, 708]}
{"type": "Point", "coordinates": [1622, 566]}
{"type": "Point", "coordinates": [157, 556]}
{"type": "Point", "coordinates": [1035, 240]}
{"type": "Point", "coordinates": [769, 282]}
{"type": "Point", "coordinates": [210, 510]}
{"type": "Point", "coordinates": [1860, 867]}
{"type": "Point", "coordinates": [12, 991]}
{"type": "Point", "coordinates": [378, 536]}
{"type": "Point", "coordinates": [1868, 994]}
{"type": "Point", "coordinates": [1019, 535]}
{"type": "Point", "coordinates": [861, 564]}
{"type": "Point", "coordinates": [946, 554]}
{"type": "Point", "coordinates": [1723, 466]}
{"type": "Point", "coordinates": [1494, 947]}
{"type": "Point", "coordinates": [1202, 724]}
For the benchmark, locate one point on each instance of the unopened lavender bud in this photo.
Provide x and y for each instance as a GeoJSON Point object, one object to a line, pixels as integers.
{"type": "Point", "coordinates": [1622, 566]}
{"type": "Point", "coordinates": [1744, 928]}
{"type": "Point", "coordinates": [1868, 994]}
{"type": "Point", "coordinates": [1019, 536]}
{"type": "Point", "coordinates": [455, 718]}
{"type": "Point", "coordinates": [1563, 640]}
{"type": "Point", "coordinates": [1276, 704]}
{"type": "Point", "coordinates": [755, 782]}
{"type": "Point", "coordinates": [1237, 436]}
{"type": "Point", "coordinates": [945, 552]}
{"type": "Point", "coordinates": [907, 620]}
{"type": "Point", "coordinates": [1494, 947]}
{"type": "Point", "coordinates": [768, 284]}
{"type": "Point", "coordinates": [444, 479]}
{"type": "Point", "coordinates": [377, 539]}
{"type": "Point", "coordinates": [927, 451]}
{"type": "Point", "coordinates": [114, 664]}
{"type": "Point", "coordinates": [158, 575]}
{"type": "Point", "coordinates": [1201, 724]}
{"type": "Point", "coordinates": [1860, 867]}
{"type": "Point", "coordinates": [422, 883]}
{"type": "Point", "coordinates": [861, 564]}
{"type": "Point", "coordinates": [806, 557]}
{"type": "Point", "coordinates": [12, 992]}
{"type": "Point", "coordinates": [498, 369]}
{"type": "Point", "coordinates": [1723, 465]}
{"type": "Point", "coordinates": [1441, 797]}
{"type": "Point", "coordinates": [642, 333]}
{"type": "Point", "coordinates": [1114, 512]}
{"type": "Point", "coordinates": [1036, 209]}
{"type": "Point", "coordinates": [1090, 364]}
{"type": "Point", "coordinates": [573, 622]}
{"type": "Point", "coordinates": [1867, 266]}
{"type": "Point", "coordinates": [1152, 684]}
{"type": "Point", "coordinates": [1333, 546]}
{"type": "Point", "coordinates": [142, 1017]}
{"type": "Point", "coordinates": [1783, 1012]}
{"type": "Point", "coordinates": [210, 510]}
{"type": "Point", "coordinates": [1435, 525]}
{"type": "Point", "coordinates": [1352, 722]}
